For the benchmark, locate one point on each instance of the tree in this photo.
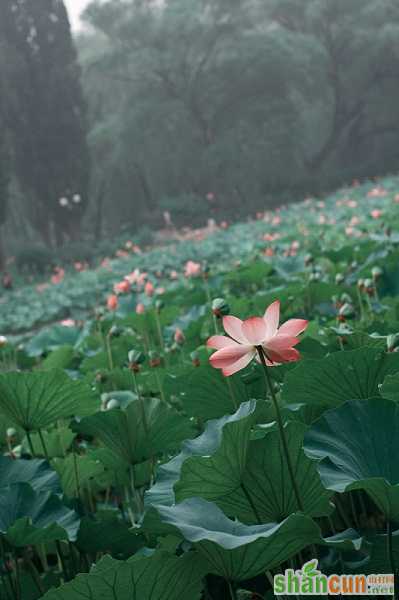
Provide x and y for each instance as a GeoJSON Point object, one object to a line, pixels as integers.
{"type": "Point", "coordinates": [46, 115]}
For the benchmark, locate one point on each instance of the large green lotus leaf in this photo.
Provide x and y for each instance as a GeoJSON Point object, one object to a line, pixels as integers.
{"type": "Point", "coordinates": [237, 427]}
{"type": "Point", "coordinates": [237, 551]}
{"type": "Point", "coordinates": [56, 442]}
{"type": "Point", "coordinates": [116, 470]}
{"type": "Point", "coordinates": [61, 358]}
{"type": "Point", "coordinates": [357, 446]}
{"type": "Point", "coordinates": [53, 338]}
{"type": "Point", "coordinates": [37, 473]}
{"type": "Point", "coordinates": [379, 561]}
{"type": "Point", "coordinates": [341, 376]}
{"type": "Point", "coordinates": [28, 517]}
{"type": "Point", "coordinates": [136, 437]}
{"type": "Point", "coordinates": [204, 393]}
{"type": "Point", "coordinates": [390, 388]}
{"type": "Point", "coordinates": [250, 480]}
{"type": "Point", "coordinates": [75, 472]}
{"type": "Point", "coordinates": [37, 400]}
{"type": "Point", "coordinates": [160, 576]}
{"type": "Point", "coordinates": [107, 533]}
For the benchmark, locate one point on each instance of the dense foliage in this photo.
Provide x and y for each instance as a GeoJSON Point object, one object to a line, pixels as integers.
{"type": "Point", "coordinates": [133, 469]}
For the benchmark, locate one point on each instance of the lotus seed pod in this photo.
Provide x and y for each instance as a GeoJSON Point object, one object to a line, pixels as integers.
{"type": "Point", "coordinates": [392, 342]}
{"type": "Point", "coordinates": [3, 341]}
{"type": "Point", "coordinates": [115, 331]}
{"type": "Point", "coordinates": [220, 308]}
{"type": "Point", "coordinates": [376, 273]}
{"type": "Point", "coordinates": [136, 357]}
{"type": "Point", "coordinates": [11, 432]}
{"type": "Point", "coordinates": [339, 278]}
{"type": "Point", "coordinates": [347, 310]}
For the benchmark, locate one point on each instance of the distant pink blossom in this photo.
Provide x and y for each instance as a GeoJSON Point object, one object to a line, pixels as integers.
{"type": "Point", "coordinates": [122, 287]}
{"type": "Point", "coordinates": [112, 302]}
{"type": "Point", "coordinates": [377, 192]}
{"type": "Point", "coordinates": [140, 308]}
{"type": "Point", "coordinates": [179, 337]}
{"type": "Point", "coordinates": [58, 276]}
{"type": "Point", "coordinates": [192, 269]}
{"type": "Point", "coordinates": [68, 323]}
{"type": "Point", "coordinates": [376, 213]}
{"type": "Point", "coordinates": [149, 289]}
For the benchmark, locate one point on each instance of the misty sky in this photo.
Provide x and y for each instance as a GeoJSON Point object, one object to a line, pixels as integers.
{"type": "Point", "coordinates": [74, 8]}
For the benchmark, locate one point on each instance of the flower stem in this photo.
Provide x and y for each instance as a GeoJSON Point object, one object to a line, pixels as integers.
{"type": "Point", "coordinates": [390, 553]}
{"type": "Point", "coordinates": [232, 591]}
{"type": "Point", "coordinates": [281, 429]}
{"type": "Point", "coordinates": [43, 445]}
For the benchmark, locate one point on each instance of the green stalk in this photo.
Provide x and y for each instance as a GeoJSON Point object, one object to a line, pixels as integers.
{"type": "Point", "coordinates": [17, 576]}
{"type": "Point", "coordinates": [232, 590]}
{"type": "Point", "coordinates": [159, 330]}
{"type": "Point", "coordinates": [43, 445]}
{"type": "Point", "coordinates": [109, 352]}
{"type": "Point", "coordinates": [231, 390]}
{"type": "Point", "coordinates": [62, 560]}
{"type": "Point", "coordinates": [141, 401]}
{"type": "Point", "coordinates": [391, 556]}
{"type": "Point", "coordinates": [280, 424]}
{"type": "Point", "coordinates": [31, 450]}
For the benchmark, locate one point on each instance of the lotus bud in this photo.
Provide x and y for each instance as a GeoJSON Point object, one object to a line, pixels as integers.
{"type": "Point", "coordinates": [347, 311]}
{"type": "Point", "coordinates": [136, 358]}
{"type": "Point", "coordinates": [179, 337]}
{"type": "Point", "coordinates": [339, 278]}
{"type": "Point", "coordinates": [114, 331]}
{"type": "Point", "coordinates": [376, 273]}
{"type": "Point", "coordinates": [195, 359]}
{"type": "Point", "coordinates": [11, 432]}
{"type": "Point", "coordinates": [154, 359]}
{"type": "Point", "coordinates": [369, 286]}
{"type": "Point", "coordinates": [360, 285]}
{"type": "Point", "coordinates": [220, 308]}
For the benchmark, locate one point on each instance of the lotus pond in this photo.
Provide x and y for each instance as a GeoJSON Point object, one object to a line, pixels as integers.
{"type": "Point", "coordinates": [146, 457]}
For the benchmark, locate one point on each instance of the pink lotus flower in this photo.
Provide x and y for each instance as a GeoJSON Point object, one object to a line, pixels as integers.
{"type": "Point", "coordinates": [377, 192]}
{"type": "Point", "coordinates": [140, 309]}
{"type": "Point", "coordinates": [68, 323]}
{"type": "Point", "coordinates": [58, 276]}
{"type": "Point", "coordinates": [149, 289]}
{"type": "Point", "coordinates": [236, 352]}
{"type": "Point", "coordinates": [122, 287]}
{"type": "Point", "coordinates": [179, 337]}
{"type": "Point", "coordinates": [192, 269]}
{"type": "Point", "coordinates": [376, 213]}
{"type": "Point", "coordinates": [112, 302]}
